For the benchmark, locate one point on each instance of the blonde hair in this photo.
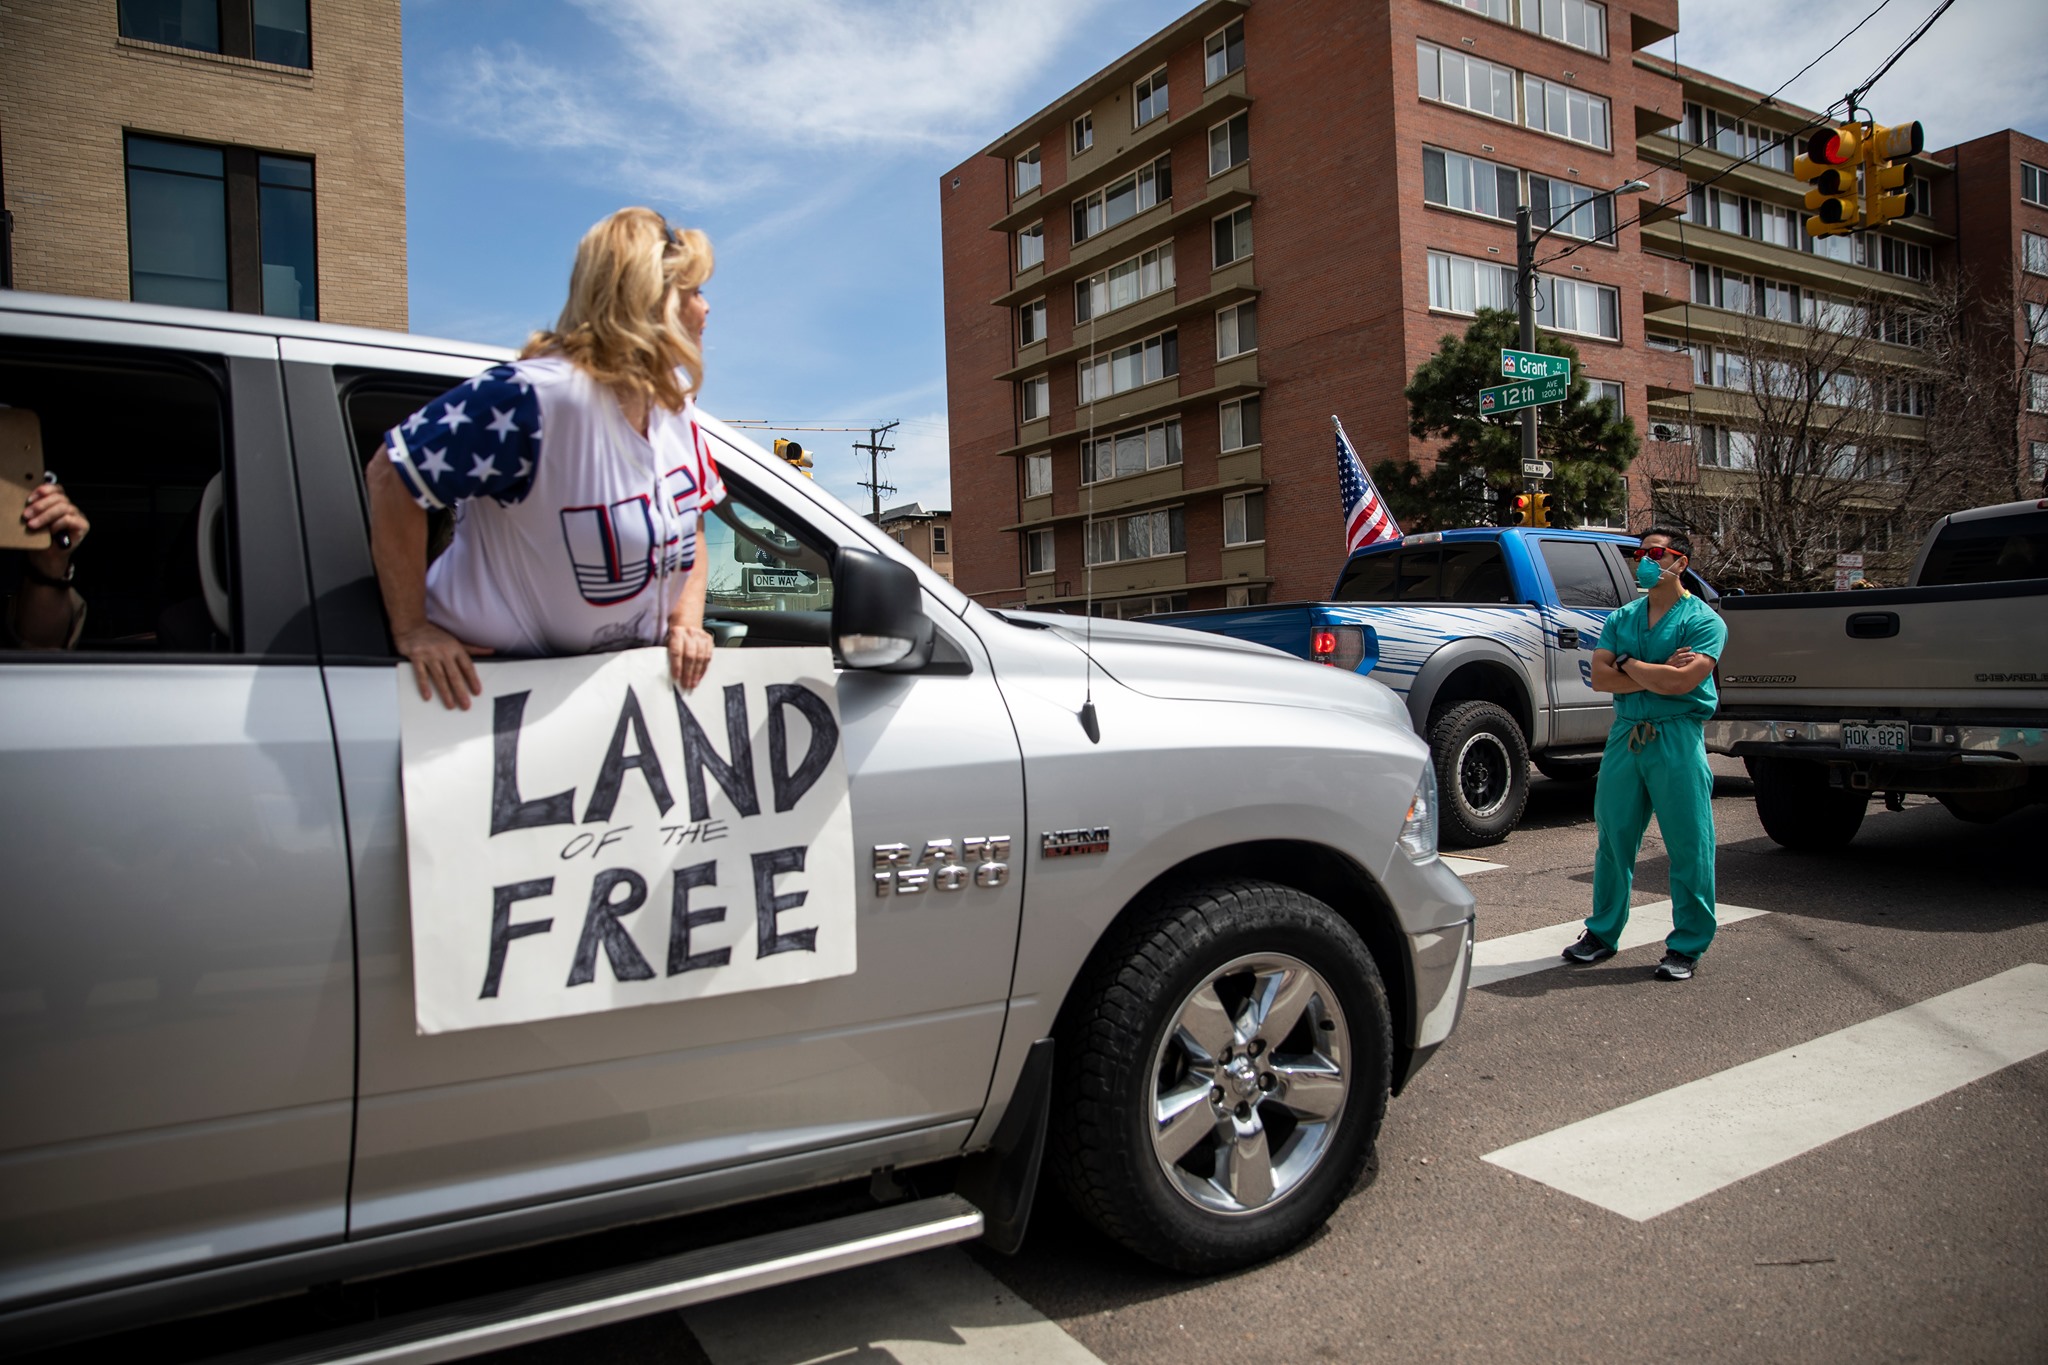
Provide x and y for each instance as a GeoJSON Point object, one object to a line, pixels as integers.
{"type": "Point", "coordinates": [621, 324]}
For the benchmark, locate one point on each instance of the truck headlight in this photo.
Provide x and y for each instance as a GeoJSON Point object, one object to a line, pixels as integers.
{"type": "Point", "coordinates": [1418, 831]}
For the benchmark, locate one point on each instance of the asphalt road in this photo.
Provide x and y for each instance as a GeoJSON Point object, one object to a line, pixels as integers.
{"type": "Point", "coordinates": [1907, 1220]}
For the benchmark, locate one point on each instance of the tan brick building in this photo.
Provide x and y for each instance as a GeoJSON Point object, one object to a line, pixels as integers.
{"type": "Point", "coordinates": [925, 532]}
{"type": "Point", "coordinates": [209, 152]}
{"type": "Point", "coordinates": [1271, 212]}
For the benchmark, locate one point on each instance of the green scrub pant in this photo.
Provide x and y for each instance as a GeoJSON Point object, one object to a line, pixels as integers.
{"type": "Point", "coordinates": [1656, 766]}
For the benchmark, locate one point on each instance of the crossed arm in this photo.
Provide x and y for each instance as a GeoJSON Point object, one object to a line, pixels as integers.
{"type": "Point", "coordinates": [1685, 671]}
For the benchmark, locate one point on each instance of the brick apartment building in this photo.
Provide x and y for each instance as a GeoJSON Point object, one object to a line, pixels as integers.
{"type": "Point", "coordinates": [236, 154]}
{"type": "Point", "coordinates": [1160, 287]}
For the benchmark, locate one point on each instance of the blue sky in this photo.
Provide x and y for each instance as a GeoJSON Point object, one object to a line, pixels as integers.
{"type": "Point", "coordinates": [807, 137]}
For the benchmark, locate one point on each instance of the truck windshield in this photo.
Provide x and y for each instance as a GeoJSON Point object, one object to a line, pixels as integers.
{"type": "Point", "coordinates": [1993, 550]}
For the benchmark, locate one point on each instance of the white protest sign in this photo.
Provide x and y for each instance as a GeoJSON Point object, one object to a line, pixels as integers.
{"type": "Point", "coordinates": [587, 836]}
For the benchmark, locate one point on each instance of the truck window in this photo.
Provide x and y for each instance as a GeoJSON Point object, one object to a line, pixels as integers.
{"type": "Point", "coordinates": [1370, 579]}
{"type": "Point", "coordinates": [1475, 574]}
{"type": "Point", "coordinates": [1991, 550]}
{"type": "Point", "coordinates": [1579, 571]}
{"type": "Point", "coordinates": [138, 444]}
{"type": "Point", "coordinates": [1397, 576]}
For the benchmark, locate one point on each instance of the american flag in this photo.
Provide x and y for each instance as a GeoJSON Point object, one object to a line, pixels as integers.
{"type": "Point", "coordinates": [1366, 518]}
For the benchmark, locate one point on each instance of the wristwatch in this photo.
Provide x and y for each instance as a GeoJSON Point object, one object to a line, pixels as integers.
{"type": "Point", "coordinates": [36, 575]}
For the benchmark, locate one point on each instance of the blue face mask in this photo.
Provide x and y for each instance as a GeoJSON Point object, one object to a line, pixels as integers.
{"type": "Point", "coordinates": [1648, 572]}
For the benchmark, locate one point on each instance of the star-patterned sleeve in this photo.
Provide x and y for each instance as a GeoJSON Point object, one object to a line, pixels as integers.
{"type": "Point", "coordinates": [479, 439]}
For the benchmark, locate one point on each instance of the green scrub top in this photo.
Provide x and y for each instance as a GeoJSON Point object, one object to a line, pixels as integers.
{"type": "Point", "coordinates": [1690, 623]}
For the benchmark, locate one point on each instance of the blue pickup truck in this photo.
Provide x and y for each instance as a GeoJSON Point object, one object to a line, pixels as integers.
{"type": "Point", "coordinates": [1487, 635]}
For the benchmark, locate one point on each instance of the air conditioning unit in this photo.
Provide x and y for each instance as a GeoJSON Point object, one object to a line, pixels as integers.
{"type": "Point", "coordinates": [1670, 431]}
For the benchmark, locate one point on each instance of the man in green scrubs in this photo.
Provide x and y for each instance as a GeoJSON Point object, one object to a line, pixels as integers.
{"type": "Point", "coordinates": [1657, 656]}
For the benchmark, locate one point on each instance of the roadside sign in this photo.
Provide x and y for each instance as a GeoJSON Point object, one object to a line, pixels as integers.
{"type": "Point", "coordinates": [1848, 568]}
{"type": "Point", "coordinates": [1527, 393]}
{"type": "Point", "coordinates": [780, 580]}
{"type": "Point", "coordinates": [1537, 469]}
{"type": "Point", "coordinates": [1531, 365]}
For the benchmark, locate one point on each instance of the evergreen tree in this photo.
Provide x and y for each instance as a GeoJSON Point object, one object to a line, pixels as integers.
{"type": "Point", "coordinates": [1478, 468]}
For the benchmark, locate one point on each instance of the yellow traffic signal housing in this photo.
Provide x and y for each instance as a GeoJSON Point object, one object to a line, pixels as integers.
{"type": "Point", "coordinates": [1886, 179]}
{"type": "Point", "coordinates": [1525, 509]}
{"type": "Point", "coordinates": [793, 454]}
{"type": "Point", "coordinates": [1543, 512]}
{"type": "Point", "coordinates": [1829, 167]}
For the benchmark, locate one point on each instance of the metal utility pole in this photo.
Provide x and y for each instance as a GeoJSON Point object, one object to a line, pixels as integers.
{"type": "Point", "coordinates": [876, 450]}
{"type": "Point", "coordinates": [1525, 303]}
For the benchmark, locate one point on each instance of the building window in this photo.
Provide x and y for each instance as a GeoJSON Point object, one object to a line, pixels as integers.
{"type": "Point", "coordinates": [1614, 518]}
{"type": "Point", "coordinates": [1905, 398]}
{"type": "Point", "coordinates": [1130, 367]}
{"type": "Point", "coordinates": [1027, 171]}
{"type": "Point", "coordinates": [2037, 323]}
{"type": "Point", "coordinates": [1454, 180]}
{"type": "Point", "coordinates": [1724, 448]}
{"type": "Point", "coordinates": [1037, 475]}
{"type": "Point", "coordinates": [1581, 23]}
{"type": "Point", "coordinates": [1576, 210]}
{"type": "Point", "coordinates": [1031, 246]}
{"type": "Point", "coordinates": [1244, 597]}
{"type": "Point", "coordinates": [1459, 284]}
{"type": "Point", "coordinates": [2034, 253]}
{"type": "Point", "coordinates": [1244, 519]}
{"type": "Point", "coordinates": [1145, 535]}
{"type": "Point", "coordinates": [2033, 184]}
{"type": "Point", "coordinates": [1124, 283]}
{"type": "Point", "coordinates": [2037, 456]}
{"type": "Point", "coordinates": [2037, 392]}
{"type": "Point", "coordinates": [1910, 259]}
{"type": "Point", "coordinates": [186, 247]}
{"type": "Point", "coordinates": [1233, 233]}
{"type": "Point", "coordinates": [1131, 608]}
{"type": "Point", "coordinates": [939, 539]}
{"type": "Point", "coordinates": [1238, 423]}
{"type": "Point", "coordinates": [1465, 81]}
{"type": "Point", "coordinates": [1598, 390]}
{"type": "Point", "coordinates": [1131, 452]}
{"type": "Point", "coordinates": [1148, 98]}
{"type": "Point", "coordinates": [1492, 9]}
{"type": "Point", "coordinates": [1230, 144]}
{"type": "Point", "coordinates": [1035, 398]}
{"type": "Point", "coordinates": [1031, 323]}
{"type": "Point", "coordinates": [1730, 136]}
{"type": "Point", "coordinates": [1224, 52]}
{"type": "Point", "coordinates": [274, 31]}
{"type": "Point", "coordinates": [1237, 329]}
{"type": "Point", "coordinates": [1566, 111]}
{"type": "Point", "coordinates": [1579, 306]}
{"type": "Point", "coordinates": [1147, 188]}
{"type": "Point", "coordinates": [1038, 551]}
{"type": "Point", "coordinates": [1084, 133]}
{"type": "Point", "coordinates": [1922, 190]}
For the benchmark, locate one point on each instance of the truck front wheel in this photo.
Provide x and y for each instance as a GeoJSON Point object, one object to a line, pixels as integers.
{"type": "Point", "coordinates": [1220, 1076]}
{"type": "Point", "coordinates": [1482, 769]}
{"type": "Point", "coordinates": [1800, 811]}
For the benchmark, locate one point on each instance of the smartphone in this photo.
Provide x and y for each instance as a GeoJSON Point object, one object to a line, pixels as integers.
{"type": "Point", "coordinates": [21, 472]}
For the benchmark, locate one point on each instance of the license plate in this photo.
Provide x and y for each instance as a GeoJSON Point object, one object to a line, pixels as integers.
{"type": "Point", "coordinates": [1888, 739]}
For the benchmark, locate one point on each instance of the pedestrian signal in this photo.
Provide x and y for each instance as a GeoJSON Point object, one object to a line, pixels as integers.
{"type": "Point", "coordinates": [1887, 180]}
{"type": "Point", "coordinates": [793, 455]}
{"type": "Point", "coordinates": [1829, 168]}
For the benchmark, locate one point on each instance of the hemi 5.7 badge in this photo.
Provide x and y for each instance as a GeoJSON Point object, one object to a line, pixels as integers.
{"type": "Point", "coordinates": [1071, 843]}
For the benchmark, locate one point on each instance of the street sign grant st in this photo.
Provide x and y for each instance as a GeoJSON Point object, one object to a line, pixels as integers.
{"type": "Point", "coordinates": [1531, 365]}
{"type": "Point", "coordinates": [1528, 393]}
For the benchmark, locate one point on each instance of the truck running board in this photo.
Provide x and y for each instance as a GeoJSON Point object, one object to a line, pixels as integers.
{"type": "Point", "coordinates": [496, 1321]}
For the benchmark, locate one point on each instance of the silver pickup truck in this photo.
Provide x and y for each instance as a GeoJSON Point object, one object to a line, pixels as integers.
{"type": "Point", "coordinates": [1939, 688]}
{"type": "Point", "coordinates": [1225, 938]}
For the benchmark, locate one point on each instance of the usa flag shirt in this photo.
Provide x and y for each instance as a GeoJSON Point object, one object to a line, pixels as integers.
{"type": "Point", "coordinates": [568, 547]}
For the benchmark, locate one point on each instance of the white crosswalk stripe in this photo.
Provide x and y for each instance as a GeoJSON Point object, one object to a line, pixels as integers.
{"type": "Point", "coordinates": [1656, 1154]}
{"type": "Point", "coordinates": [1513, 955]}
{"type": "Point", "coordinates": [938, 1308]}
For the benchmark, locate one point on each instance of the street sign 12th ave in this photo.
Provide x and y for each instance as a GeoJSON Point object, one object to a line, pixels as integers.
{"type": "Point", "coordinates": [1528, 393]}
{"type": "Point", "coordinates": [1530, 365]}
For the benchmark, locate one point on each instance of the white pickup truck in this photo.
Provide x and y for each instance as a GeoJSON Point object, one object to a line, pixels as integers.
{"type": "Point", "coordinates": [1939, 688]}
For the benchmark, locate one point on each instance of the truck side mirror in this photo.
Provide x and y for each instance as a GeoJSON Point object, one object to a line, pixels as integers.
{"type": "Point", "coordinates": [878, 619]}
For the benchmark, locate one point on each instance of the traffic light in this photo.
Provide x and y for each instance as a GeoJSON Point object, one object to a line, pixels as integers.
{"type": "Point", "coordinates": [794, 455]}
{"type": "Point", "coordinates": [1525, 509]}
{"type": "Point", "coordinates": [1543, 512]}
{"type": "Point", "coordinates": [1829, 166]}
{"type": "Point", "coordinates": [1887, 181]}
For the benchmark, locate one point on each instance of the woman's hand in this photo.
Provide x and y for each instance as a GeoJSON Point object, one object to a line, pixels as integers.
{"type": "Point", "coordinates": [49, 509]}
{"type": "Point", "coordinates": [689, 654]}
{"type": "Point", "coordinates": [441, 663]}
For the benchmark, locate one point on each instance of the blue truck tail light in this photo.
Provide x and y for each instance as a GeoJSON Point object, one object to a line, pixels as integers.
{"type": "Point", "coordinates": [1341, 646]}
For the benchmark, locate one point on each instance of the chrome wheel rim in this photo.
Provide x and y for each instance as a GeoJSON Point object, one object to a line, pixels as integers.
{"type": "Point", "coordinates": [1249, 1083]}
{"type": "Point", "coordinates": [1483, 774]}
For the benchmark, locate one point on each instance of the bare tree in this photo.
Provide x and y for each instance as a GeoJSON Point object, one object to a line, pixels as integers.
{"type": "Point", "coordinates": [1847, 430]}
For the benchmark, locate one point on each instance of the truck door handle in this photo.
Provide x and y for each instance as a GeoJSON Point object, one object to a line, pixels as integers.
{"type": "Point", "coordinates": [1873, 625]}
{"type": "Point", "coordinates": [1567, 637]}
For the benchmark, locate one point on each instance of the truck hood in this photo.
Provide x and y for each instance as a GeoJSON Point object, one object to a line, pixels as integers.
{"type": "Point", "coordinates": [1174, 664]}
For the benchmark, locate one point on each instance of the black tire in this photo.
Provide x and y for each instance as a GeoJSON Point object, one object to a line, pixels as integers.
{"type": "Point", "coordinates": [1567, 769]}
{"type": "Point", "coordinates": [1800, 811]}
{"type": "Point", "coordinates": [1115, 1032]}
{"type": "Point", "coordinates": [1482, 772]}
